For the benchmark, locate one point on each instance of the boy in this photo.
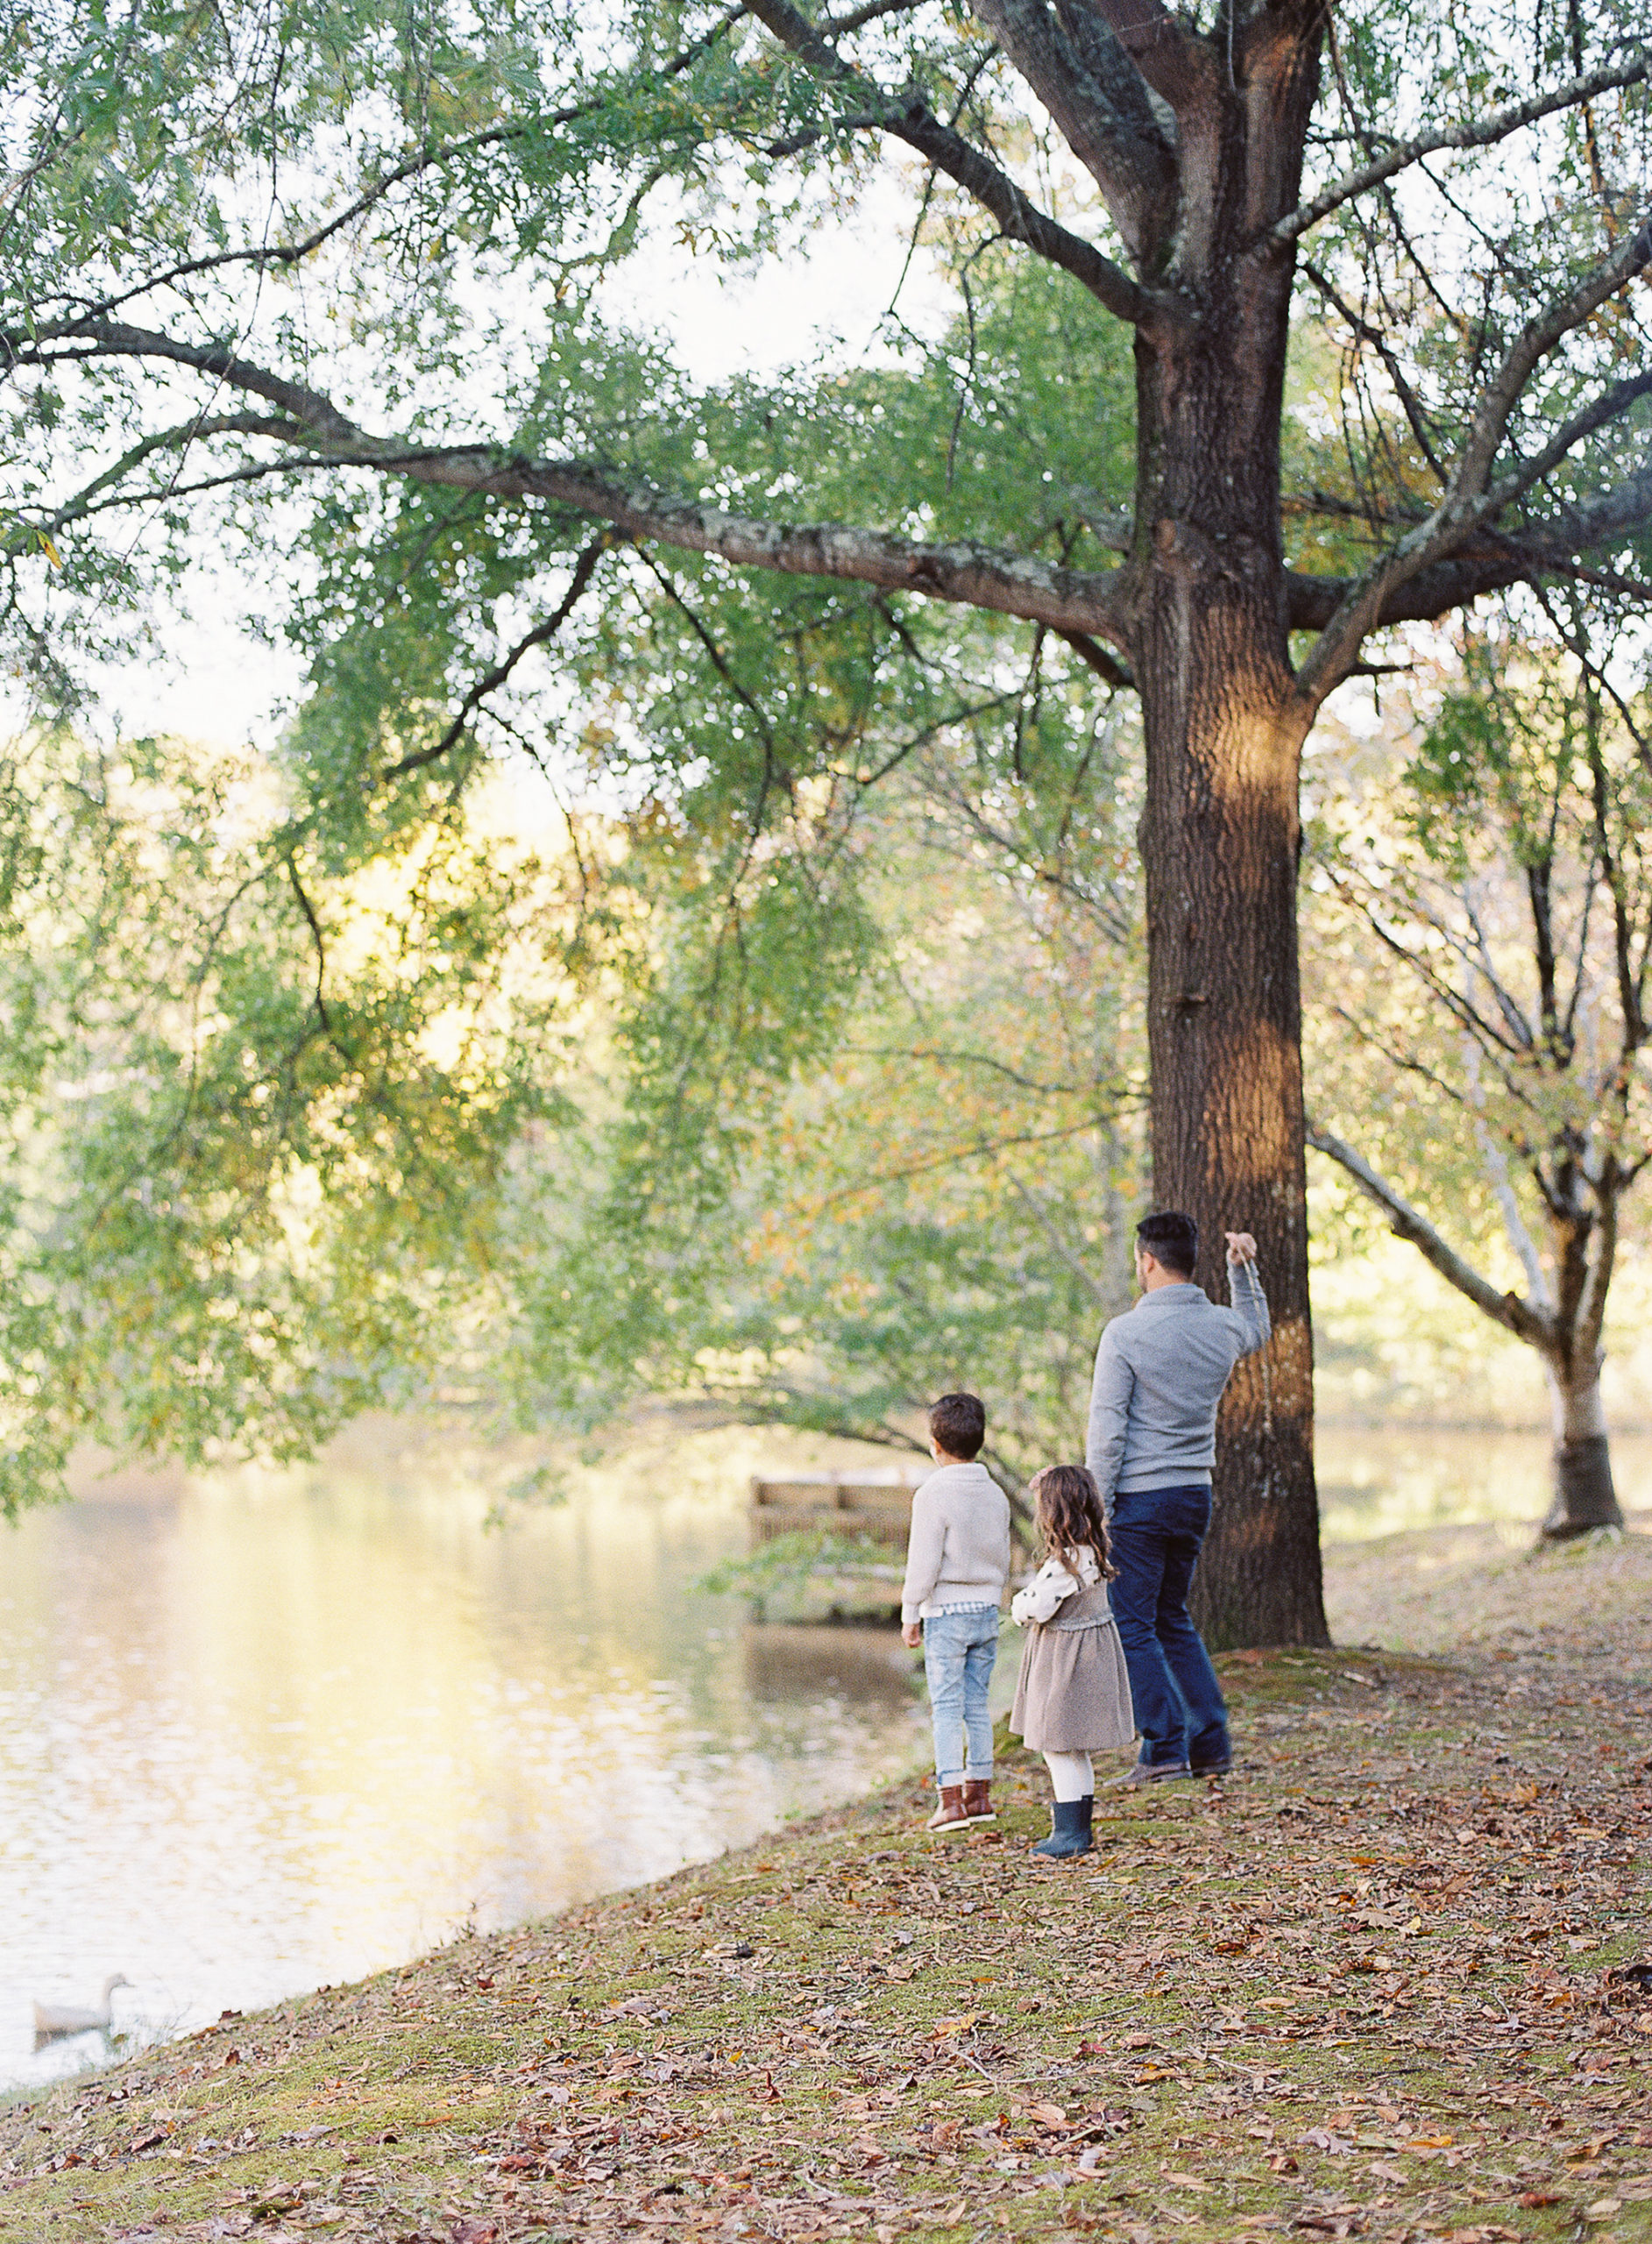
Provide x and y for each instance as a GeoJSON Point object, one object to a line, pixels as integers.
{"type": "Point", "coordinates": [957, 1563]}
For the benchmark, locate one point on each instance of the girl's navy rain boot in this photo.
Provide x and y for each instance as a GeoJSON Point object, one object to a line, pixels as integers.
{"type": "Point", "coordinates": [1071, 1834]}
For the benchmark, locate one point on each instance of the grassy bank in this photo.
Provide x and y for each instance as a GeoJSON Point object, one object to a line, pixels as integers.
{"type": "Point", "coordinates": [1370, 1986]}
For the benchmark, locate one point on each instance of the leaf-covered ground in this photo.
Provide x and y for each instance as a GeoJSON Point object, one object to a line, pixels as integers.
{"type": "Point", "coordinates": [1379, 1984]}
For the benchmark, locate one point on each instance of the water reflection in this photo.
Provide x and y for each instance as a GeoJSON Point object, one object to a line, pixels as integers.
{"type": "Point", "coordinates": [269, 1733]}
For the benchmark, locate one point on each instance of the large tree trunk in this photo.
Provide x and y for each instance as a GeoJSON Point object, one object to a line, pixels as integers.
{"type": "Point", "coordinates": [1585, 1496]}
{"type": "Point", "coordinates": [1219, 844]}
{"type": "Point", "coordinates": [1224, 726]}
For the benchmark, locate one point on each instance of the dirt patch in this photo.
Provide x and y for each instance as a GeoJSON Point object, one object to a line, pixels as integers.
{"type": "Point", "coordinates": [1444, 1588]}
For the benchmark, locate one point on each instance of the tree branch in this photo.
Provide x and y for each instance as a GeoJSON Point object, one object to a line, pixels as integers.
{"type": "Point", "coordinates": [1106, 666]}
{"type": "Point", "coordinates": [85, 501]}
{"type": "Point", "coordinates": [289, 253]}
{"type": "Point", "coordinates": [1174, 63]}
{"type": "Point", "coordinates": [1609, 406]}
{"type": "Point", "coordinates": [1481, 134]}
{"type": "Point", "coordinates": [585, 568]}
{"type": "Point", "coordinates": [1493, 560]}
{"type": "Point", "coordinates": [314, 926]}
{"type": "Point", "coordinates": [1380, 344]}
{"type": "Point", "coordinates": [1467, 503]}
{"type": "Point", "coordinates": [966, 572]}
{"type": "Point", "coordinates": [837, 26]}
{"type": "Point", "coordinates": [1509, 1311]}
{"type": "Point", "coordinates": [1134, 168]}
{"type": "Point", "coordinates": [909, 118]}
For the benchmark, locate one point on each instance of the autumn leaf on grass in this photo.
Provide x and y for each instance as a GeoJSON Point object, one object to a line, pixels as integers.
{"type": "Point", "coordinates": [1047, 2115]}
{"type": "Point", "coordinates": [945, 2028]}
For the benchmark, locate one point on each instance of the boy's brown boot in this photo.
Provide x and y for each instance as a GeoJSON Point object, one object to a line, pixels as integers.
{"type": "Point", "coordinates": [950, 1815]}
{"type": "Point", "coordinates": [978, 1800]}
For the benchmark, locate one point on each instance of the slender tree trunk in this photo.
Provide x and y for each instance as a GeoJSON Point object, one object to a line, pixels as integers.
{"type": "Point", "coordinates": [1585, 1496]}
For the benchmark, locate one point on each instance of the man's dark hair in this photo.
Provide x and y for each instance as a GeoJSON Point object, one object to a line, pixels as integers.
{"type": "Point", "coordinates": [1171, 1238]}
{"type": "Point", "coordinates": [959, 1423]}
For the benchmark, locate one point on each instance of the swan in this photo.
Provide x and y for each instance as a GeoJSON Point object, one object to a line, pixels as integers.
{"type": "Point", "coordinates": [49, 2020]}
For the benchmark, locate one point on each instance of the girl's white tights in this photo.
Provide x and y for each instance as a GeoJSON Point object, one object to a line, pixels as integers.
{"type": "Point", "coordinates": [1071, 1774]}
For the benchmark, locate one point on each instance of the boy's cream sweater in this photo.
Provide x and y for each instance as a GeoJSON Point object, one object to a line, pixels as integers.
{"type": "Point", "coordinates": [958, 1552]}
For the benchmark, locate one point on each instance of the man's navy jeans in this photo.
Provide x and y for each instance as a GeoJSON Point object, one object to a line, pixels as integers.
{"type": "Point", "coordinates": [1179, 1710]}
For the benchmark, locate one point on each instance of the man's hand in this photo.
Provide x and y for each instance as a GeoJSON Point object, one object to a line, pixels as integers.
{"type": "Point", "coordinates": [911, 1634]}
{"type": "Point", "coordinates": [1241, 1247]}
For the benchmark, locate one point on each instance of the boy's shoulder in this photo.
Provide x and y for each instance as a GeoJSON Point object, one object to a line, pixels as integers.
{"type": "Point", "coordinates": [963, 1481]}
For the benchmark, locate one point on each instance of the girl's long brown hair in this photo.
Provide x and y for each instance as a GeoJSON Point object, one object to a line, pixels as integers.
{"type": "Point", "coordinates": [1069, 1513]}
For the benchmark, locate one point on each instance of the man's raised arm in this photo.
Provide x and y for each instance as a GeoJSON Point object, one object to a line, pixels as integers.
{"type": "Point", "coordinates": [1245, 1288]}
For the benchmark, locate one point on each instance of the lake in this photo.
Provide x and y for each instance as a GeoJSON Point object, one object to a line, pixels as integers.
{"type": "Point", "coordinates": [262, 1731]}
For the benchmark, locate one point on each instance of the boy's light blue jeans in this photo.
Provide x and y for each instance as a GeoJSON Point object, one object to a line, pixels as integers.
{"type": "Point", "coordinates": [961, 1644]}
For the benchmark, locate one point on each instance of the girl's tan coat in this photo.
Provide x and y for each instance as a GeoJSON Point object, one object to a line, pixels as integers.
{"type": "Point", "coordinates": [1073, 1693]}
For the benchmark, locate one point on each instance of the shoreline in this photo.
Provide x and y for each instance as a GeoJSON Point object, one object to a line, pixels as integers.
{"type": "Point", "coordinates": [1365, 1988]}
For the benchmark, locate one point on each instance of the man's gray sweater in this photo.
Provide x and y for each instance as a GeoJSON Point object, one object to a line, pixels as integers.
{"type": "Point", "coordinates": [1159, 1372]}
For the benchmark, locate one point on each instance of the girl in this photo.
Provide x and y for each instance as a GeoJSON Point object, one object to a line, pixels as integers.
{"type": "Point", "coordinates": [1073, 1693]}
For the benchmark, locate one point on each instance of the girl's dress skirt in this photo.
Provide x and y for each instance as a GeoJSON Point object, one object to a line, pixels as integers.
{"type": "Point", "coordinates": [1073, 1693]}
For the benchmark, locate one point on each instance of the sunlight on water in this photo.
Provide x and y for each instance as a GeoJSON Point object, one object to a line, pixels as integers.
{"type": "Point", "coordinates": [1381, 1483]}
{"type": "Point", "coordinates": [266, 1732]}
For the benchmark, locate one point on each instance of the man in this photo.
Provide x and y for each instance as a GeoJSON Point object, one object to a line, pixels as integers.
{"type": "Point", "coordinates": [1159, 1372]}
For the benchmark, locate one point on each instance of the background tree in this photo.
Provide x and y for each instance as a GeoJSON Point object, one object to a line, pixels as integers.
{"type": "Point", "coordinates": [944, 1197]}
{"type": "Point", "coordinates": [357, 258]}
{"type": "Point", "coordinates": [256, 1118]}
{"type": "Point", "coordinates": [1507, 872]}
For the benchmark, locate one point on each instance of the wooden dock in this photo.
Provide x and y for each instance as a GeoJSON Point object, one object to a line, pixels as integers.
{"type": "Point", "coordinates": [842, 1503]}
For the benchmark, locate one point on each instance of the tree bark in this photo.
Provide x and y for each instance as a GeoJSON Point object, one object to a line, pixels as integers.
{"type": "Point", "coordinates": [1584, 1497]}
{"type": "Point", "coordinates": [1224, 721]}
{"type": "Point", "coordinates": [1219, 844]}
